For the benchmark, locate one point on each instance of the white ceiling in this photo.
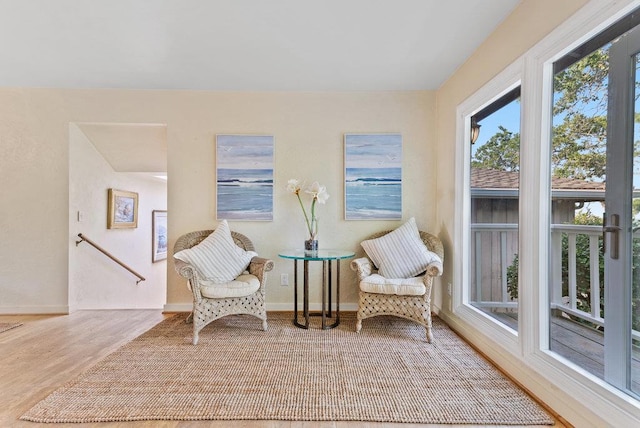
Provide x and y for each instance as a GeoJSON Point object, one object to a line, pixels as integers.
{"type": "Point", "coordinates": [130, 147]}
{"type": "Point", "coordinates": [247, 45]}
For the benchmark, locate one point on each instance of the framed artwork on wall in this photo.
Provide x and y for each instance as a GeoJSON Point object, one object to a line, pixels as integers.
{"type": "Point", "coordinates": [122, 210]}
{"type": "Point", "coordinates": [244, 177]}
{"type": "Point", "coordinates": [159, 235]}
{"type": "Point", "coordinates": [373, 176]}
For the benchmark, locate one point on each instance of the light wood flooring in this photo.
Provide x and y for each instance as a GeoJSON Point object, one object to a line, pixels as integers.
{"type": "Point", "coordinates": [48, 351]}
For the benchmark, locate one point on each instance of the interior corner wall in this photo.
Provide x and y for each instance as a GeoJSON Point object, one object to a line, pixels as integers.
{"type": "Point", "coordinates": [528, 24]}
{"type": "Point", "coordinates": [95, 281]}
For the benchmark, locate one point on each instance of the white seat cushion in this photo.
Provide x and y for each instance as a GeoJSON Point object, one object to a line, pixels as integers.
{"type": "Point", "coordinates": [398, 286]}
{"type": "Point", "coordinates": [243, 285]}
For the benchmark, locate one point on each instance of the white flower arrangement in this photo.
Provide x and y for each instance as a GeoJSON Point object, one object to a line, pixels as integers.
{"type": "Point", "coordinates": [318, 194]}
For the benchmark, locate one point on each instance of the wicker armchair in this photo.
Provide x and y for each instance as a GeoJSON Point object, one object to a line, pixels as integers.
{"type": "Point", "coordinates": [413, 307]}
{"type": "Point", "coordinates": [206, 310]}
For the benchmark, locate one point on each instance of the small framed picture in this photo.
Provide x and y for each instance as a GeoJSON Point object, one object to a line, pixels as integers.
{"type": "Point", "coordinates": [122, 210]}
{"type": "Point", "coordinates": [159, 244]}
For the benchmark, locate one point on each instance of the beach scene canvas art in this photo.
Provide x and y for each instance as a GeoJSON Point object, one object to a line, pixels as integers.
{"type": "Point", "coordinates": [373, 176]}
{"type": "Point", "coordinates": [244, 177]}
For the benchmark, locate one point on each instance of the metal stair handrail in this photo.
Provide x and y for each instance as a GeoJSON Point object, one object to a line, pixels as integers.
{"type": "Point", "coordinates": [106, 253]}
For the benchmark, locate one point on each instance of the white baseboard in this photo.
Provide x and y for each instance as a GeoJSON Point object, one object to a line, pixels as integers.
{"type": "Point", "coordinates": [274, 307]}
{"type": "Point", "coordinates": [34, 310]}
{"type": "Point", "coordinates": [178, 307]}
{"type": "Point", "coordinates": [580, 400]}
{"type": "Point", "coordinates": [288, 307]}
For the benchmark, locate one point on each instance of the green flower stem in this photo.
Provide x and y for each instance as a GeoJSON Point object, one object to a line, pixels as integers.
{"type": "Point", "coordinates": [306, 218]}
{"type": "Point", "coordinates": [313, 218]}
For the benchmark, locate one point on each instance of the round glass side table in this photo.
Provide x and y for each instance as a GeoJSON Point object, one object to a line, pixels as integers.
{"type": "Point", "coordinates": [326, 257]}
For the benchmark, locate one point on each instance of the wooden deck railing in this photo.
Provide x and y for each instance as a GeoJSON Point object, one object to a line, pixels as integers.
{"type": "Point", "coordinates": [498, 233]}
{"type": "Point", "coordinates": [558, 301]}
{"type": "Point", "coordinates": [501, 233]}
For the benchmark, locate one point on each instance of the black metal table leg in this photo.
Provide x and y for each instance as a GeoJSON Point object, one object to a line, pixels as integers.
{"type": "Point", "coordinates": [328, 296]}
{"type": "Point", "coordinates": [328, 281]}
{"type": "Point", "coordinates": [295, 299]}
{"type": "Point", "coordinates": [337, 292]}
{"type": "Point", "coordinates": [306, 293]}
{"type": "Point", "coordinates": [324, 286]}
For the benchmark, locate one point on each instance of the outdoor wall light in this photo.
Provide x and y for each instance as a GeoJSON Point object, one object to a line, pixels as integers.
{"type": "Point", "coordinates": [475, 130]}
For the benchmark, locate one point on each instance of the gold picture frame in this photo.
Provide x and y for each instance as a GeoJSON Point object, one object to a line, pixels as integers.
{"type": "Point", "coordinates": [122, 210]}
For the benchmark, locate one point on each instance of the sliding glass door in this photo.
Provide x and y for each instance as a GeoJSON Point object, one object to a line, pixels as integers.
{"type": "Point", "coordinates": [622, 248]}
{"type": "Point", "coordinates": [595, 244]}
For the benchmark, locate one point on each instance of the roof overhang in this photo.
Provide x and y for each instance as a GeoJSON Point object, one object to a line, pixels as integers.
{"type": "Point", "coordinates": [574, 195]}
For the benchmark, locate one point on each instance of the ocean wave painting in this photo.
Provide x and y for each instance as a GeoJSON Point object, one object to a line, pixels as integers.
{"type": "Point", "coordinates": [244, 177]}
{"type": "Point", "coordinates": [373, 176]}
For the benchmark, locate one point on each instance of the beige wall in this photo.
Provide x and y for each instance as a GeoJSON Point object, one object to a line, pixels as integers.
{"type": "Point", "coordinates": [34, 201]}
{"type": "Point", "coordinates": [528, 24]}
{"type": "Point", "coordinates": [308, 130]}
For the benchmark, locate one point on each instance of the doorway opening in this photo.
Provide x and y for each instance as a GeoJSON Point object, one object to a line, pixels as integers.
{"type": "Point", "coordinates": [129, 157]}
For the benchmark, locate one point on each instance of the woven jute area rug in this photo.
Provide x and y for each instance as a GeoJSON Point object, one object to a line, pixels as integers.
{"type": "Point", "coordinates": [4, 326]}
{"type": "Point", "coordinates": [387, 373]}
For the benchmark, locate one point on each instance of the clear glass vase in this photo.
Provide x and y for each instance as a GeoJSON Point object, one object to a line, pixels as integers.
{"type": "Point", "coordinates": [311, 244]}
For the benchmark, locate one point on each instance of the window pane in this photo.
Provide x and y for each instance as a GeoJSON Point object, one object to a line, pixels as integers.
{"type": "Point", "coordinates": [495, 166]}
